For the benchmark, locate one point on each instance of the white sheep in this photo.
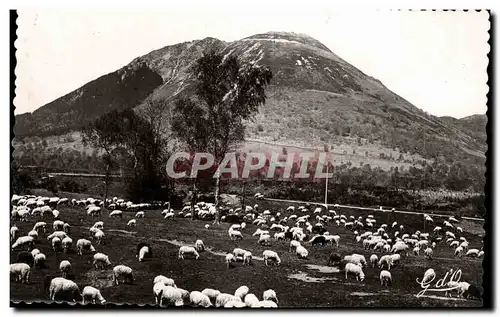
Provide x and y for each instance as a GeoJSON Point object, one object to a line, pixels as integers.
{"type": "Point", "coordinates": [459, 251]}
{"type": "Point", "coordinates": [211, 293]}
{"type": "Point", "coordinates": [416, 250]}
{"type": "Point", "coordinates": [55, 213]}
{"type": "Point", "coordinates": [230, 259]}
{"type": "Point", "coordinates": [271, 255]}
{"type": "Point", "coordinates": [21, 271]}
{"type": "Point", "coordinates": [143, 252]}
{"type": "Point", "coordinates": [428, 253]}
{"type": "Point", "coordinates": [239, 253]}
{"type": "Point", "coordinates": [429, 276]}
{"type": "Point", "coordinates": [101, 259]}
{"type": "Point", "coordinates": [247, 258]}
{"type": "Point", "coordinates": [66, 244]}
{"type": "Point", "coordinates": [58, 225]}
{"type": "Point", "coordinates": [139, 214]}
{"type": "Point", "coordinates": [165, 280]}
{"type": "Point", "coordinates": [188, 250]}
{"type": "Point", "coordinates": [199, 245]}
{"type": "Point", "coordinates": [279, 236]}
{"type": "Point", "coordinates": [251, 300]}
{"type": "Point", "coordinates": [171, 295]}
{"type": "Point", "coordinates": [39, 225]}
{"type": "Point", "coordinates": [56, 244]}
{"type": "Point", "coordinates": [59, 234]}
{"type": "Point", "coordinates": [270, 295]}
{"type": "Point", "coordinates": [472, 253]}
{"type": "Point", "coordinates": [158, 289]}
{"type": "Point", "coordinates": [351, 268]}
{"type": "Point", "coordinates": [84, 245]}
{"type": "Point", "coordinates": [99, 225]}
{"type": "Point", "coordinates": [65, 267]}
{"type": "Point", "coordinates": [385, 278]}
{"type": "Point", "coordinates": [373, 260]}
{"type": "Point", "coordinates": [241, 292]}
{"type": "Point", "coordinates": [116, 214]}
{"type": "Point", "coordinates": [235, 234]}
{"type": "Point", "coordinates": [386, 260]}
{"type": "Point", "coordinates": [197, 298]}
{"type": "Point", "coordinates": [124, 272]}
{"type": "Point", "coordinates": [14, 232]}
{"type": "Point", "coordinates": [132, 223]}
{"type": "Point", "coordinates": [234, 304]}
{"type": "Point", "coordinates": [207, 226]}
{"type": "Point", "coordinates": [40, 259]}
{"type": "Point", "coordinates": [92, 295]}
{"type": "Point", "coordinates": [60, 285]}
{"type": "Point", "coordinates": [293, 245]}
{"type": "Point", "coordinates": [34, 252]}
{"type": "Point", "coordinates": [66, 227]}
{"type": "Point", "coordinates": [224, 298]}
{"type": "Point", "coordinates": [302, 252]}
{"type": "Point", "coordinates": [264, 239]}
{"type": "Point", "coordinates": [99, 236]}
{"type": "Point", "coordinates": [22, 241]}
{"type": "Point", "coordinates": [259, 231]}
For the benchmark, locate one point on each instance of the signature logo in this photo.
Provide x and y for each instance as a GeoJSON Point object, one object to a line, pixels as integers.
{"type": "Point", "coordinates": [442, 284]}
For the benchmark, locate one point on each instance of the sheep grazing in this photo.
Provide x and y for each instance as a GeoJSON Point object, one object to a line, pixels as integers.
{"type": "Point", "coordinates": [239, 253]}
{"type": "Point", "coordinates": [14, 233]}
{"type": "Point", "coordinates": [318, 240]}
{"type": "Point", "coordinates": [386, 261]}
{"type": "Point", "coordinates": [293, 245]}
{"type": "Point", "coordinates": [59, 234]}
{"type": "Point", "coordinates": [122, 272]}
{"type": "Point", "coordinates": [164, 280]}
{"type": "Point", "coordinates": [230, 259]}
{"type": "Point", "coordinates": [198, 299]}
{"type": "Point", "coordinates": [351, 268]}
{"type": "Point", "coordinates": [373, 260]}
{"type": "Point", "coordinates": [101, 260]}
{"type": "Point", "coordinates": [472, 253]}
{"type": "Point", "coordinates": [21, 271]}
{"type": "Point", "coordinates": [211, 293]}
{"type": "Point", "coordinates": [92, 295]}
{"type": "Point", "coordinates": [207, 226]}
{"type": "Point", "coordinates": [23, 241]}
{"type": "Point", "coordinates": [39, 226]}
{"type": "Point", "coordinates": [144, 252]}
{"type": "Point", "coordinates": [139, 214]}
{"type": "Point", "coordinates": [235, 234]}
{"type": "Point", "coordinates": [66, 244]}
{"type": "Point", "coordinates": [428, 253]}
{"type": "Point", "coordinates": [241, 292]}
{"type": "Point", "coordinates": [66, 228]}
{"type": "Point", "coordinates": [132, 223]}
{"type": "Point", "coordinates": [247, 258]}
{"type": "Point", "coordinates": [264, 239]}
{"type": "Point", "coordinates": [251, 300]}
{"type": "Point", "coordinates": [56, 244]}
{"type": "Point", "coordinates": [334, 258]}
{"type": "Point", "coordinates": [186, 250]}
{"type": "Point", "coordinates": [116, 214]}
{"type": "Point", "coordinates": [234, 304]}
{"type": "Point", "coordinates": [224, 298]}
{"type": "Point", "coordinates": [270, 295]}
{"type": "Point", "coordinates": [64, 289]}
{"type": "Point", "coordinates": [99, 236]}
{"type": "Point", "coordinates": [266, 304]}
{"type": "Point", "coordinates": [199, 246]}
{"type": "Point", "coordinates": [84, 245]}
{"type": "Point", "coordinates": [40, 260]}
{"type": "Point", "coordinates": [385, 278]}
{"type": "Point", "coordinates": [58, 225]}
{"type": "Point", "coordinates": [301, 252]}
{"type": "Point", "coordinates": [99, 225]}
{"type": "Point", "coordinates": [65, 267]}
{"type": "Point", "coordinates": [55, 213]}
{"type": "Point", "coordinates": [271, 255]}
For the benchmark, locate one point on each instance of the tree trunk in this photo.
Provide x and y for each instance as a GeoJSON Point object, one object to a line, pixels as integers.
{"type": "Point", "coordinates": [106, 184]}
{"type": "Point", "coordinates": [193, 199]}
{"type": "Point", "coordinates": [243, 197]}
{"type": "Point", "coordinates": [217, 212]}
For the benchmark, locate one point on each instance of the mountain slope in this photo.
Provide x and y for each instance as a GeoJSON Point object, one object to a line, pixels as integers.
{"type": "Point", "coordinates": [316, 99]}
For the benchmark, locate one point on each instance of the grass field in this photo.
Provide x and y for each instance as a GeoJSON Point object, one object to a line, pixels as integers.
{"type": "Point", "coordinates": [296, 284]}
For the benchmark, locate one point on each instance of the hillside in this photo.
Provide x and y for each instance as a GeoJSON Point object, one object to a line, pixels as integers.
{"type": "Point", "coordinates": [316, 100]}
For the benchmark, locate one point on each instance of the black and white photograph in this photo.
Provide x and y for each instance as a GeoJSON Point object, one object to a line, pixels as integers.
{"type": "Point", "coordinates": [221, 157]}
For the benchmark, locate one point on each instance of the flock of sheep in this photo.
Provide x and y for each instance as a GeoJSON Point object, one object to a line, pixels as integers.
{"type": "Point", "coordinates": [392, 241]}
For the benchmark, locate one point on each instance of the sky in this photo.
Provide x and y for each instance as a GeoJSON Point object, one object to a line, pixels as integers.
{"type": "Point", "coordinates": [435, 60]}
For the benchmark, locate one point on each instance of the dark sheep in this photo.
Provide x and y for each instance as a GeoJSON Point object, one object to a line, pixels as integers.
{"type": "Point", "coordinates": [318, 240]}
{"type": "Point", "coordinates": [233, 219]}
{"type": "Point", "coordinates": [26, 257]}
{"type": "Point", "coordinates": [318, 229]}
{"type": "Point", "coordinates": [288, 235]}
{"type": "Point", "coordinates": [334, 258]}
{"type": "Point", "coordinates": [473, 292]}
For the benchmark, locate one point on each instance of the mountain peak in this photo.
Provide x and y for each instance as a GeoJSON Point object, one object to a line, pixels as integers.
{"type": "Point", "coordinates": [292, 37]}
